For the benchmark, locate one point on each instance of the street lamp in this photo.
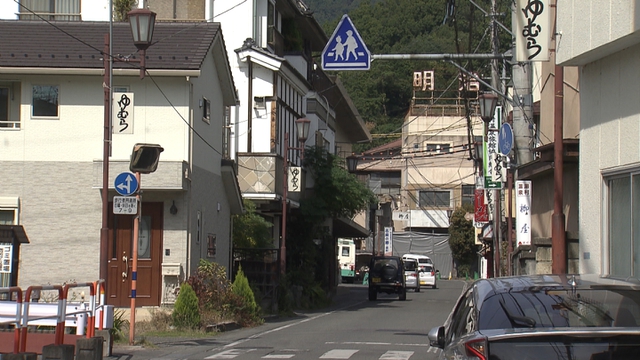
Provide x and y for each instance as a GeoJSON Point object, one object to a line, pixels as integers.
{"type": "Point", "coordinates": [488, 103]}
{"type": "Point", "coordinates": [302, 130]}
{"type": "Point", "coordinates": [142, 23]}
{"type": "Point", "coordinates": [352, 163]}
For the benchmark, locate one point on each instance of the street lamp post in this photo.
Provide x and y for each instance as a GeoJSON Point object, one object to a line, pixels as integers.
{"type": "Point", "coordinates": [302, 130]}
{"type": "Point", "coordinates": [142, 23]}
{"type": "Point", "coordinates": [488, 103]}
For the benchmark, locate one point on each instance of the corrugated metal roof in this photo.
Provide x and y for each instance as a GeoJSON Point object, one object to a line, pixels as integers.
{"type": "Point", "coordinates": [176, 46]}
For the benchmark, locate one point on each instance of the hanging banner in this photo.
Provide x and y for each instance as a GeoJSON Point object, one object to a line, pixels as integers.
{"type": "Point", "coordinates": [388, 241]}
{"type": "Point", "coordinates": [293, 179]}
{"type": "Point", "coordinates": [122, 113]}
{"type": "Point", "coordinates": [6, 257]}
{"type": "Point", "coordinates": [480, 214]}
{"type": "Point", "coordinates": [490, 146]}
{"type": "Point", "coordinates": [533, 32]}
{"type": "Point", "coordinates": [523, 212]}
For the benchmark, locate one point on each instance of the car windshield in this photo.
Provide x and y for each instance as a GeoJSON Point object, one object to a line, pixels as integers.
{"type": "Point", "coordinates": [560, 308]}
{"type": "Point", "coordinates": [410, 265]}
{"type": "Point", "coordinates": [424, 261]}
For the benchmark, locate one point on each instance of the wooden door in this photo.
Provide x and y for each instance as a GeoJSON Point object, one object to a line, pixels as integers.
{"type": "Point", "coordinates": [149, 281]}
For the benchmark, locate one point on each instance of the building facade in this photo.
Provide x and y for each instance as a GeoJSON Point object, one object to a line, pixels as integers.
{"type": "Point", "coordinates": [605, 48]}
{"type": "Point", "coordinates": [52, 129]}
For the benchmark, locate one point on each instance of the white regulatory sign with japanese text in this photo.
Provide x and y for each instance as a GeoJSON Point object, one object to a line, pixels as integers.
{"type": "Point", "coordinates": [125, 205]}
{"type": "Point", "coordinates": [523, 212]}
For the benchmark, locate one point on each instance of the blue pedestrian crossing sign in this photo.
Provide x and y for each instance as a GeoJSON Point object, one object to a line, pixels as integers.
{"type": "Point", "coordinates": [345, 49]}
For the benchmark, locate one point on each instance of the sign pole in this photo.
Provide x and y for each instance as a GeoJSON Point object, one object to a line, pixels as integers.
{"type": "Point", "coordinates": [134, 264]}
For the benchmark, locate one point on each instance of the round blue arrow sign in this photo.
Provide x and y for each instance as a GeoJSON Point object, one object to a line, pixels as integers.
{"type": "Point", "coordinates": [505, 139]}
{"type": "Point", "coordinates": [126, 183]}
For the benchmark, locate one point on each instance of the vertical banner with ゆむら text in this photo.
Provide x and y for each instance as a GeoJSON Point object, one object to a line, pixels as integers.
{"type": "Point", "coordinates": [523, 212]}
{"type": "Point", "coordinates": [122, 113]}
{"type": "Point", "coordinates": [533, 31]}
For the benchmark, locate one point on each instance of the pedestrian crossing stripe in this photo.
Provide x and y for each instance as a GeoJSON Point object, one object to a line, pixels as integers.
{"type": "Point", "coordinates": [335, 354]}
{"type": "Point", "coordinates": [338, 354]}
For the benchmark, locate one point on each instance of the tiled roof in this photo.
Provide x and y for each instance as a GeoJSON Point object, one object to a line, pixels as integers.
{"type": "Point", "coordinates": [176, 46]}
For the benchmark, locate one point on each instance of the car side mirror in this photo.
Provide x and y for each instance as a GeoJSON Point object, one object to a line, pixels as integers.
{"type": "Point", "coordinates": [436, 337]}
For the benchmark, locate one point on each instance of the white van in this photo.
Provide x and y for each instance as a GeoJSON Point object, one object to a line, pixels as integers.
{"type": "Point", "coordinates": [347, 259]}
{"type": "Point", "coordinates": [427, 269]}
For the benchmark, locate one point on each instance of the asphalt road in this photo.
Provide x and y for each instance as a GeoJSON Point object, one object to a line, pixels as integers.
{"type": "Point", "coordinates": [352, 328]}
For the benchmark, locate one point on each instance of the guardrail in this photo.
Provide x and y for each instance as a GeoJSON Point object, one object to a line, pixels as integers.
{"type": "Point", "coordinates": [60, 314]}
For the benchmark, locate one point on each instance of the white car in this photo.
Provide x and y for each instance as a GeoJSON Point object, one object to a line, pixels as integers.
{"type": "Point", "coordinates": [428, 276]}
{"type": "Point", "coordinates": [427, 269]}
{"type": "Point", "coordinates": [411, 272]}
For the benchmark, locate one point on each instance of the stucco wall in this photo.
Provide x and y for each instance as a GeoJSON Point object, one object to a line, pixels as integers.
{"type": "Point", "coordinates": [610, 133]}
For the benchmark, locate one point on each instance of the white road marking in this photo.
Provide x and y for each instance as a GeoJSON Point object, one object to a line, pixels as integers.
{"type": "Point", "coordinates": [396, 355]}
{"type": "Point", "coordinates": [373, 343]}
{"type": "Point", "coordinates": [279, 356]}
{"type": "Point", "coordinates": [338, 354]}
{"type": "Point", "coordinates": [229, 354]}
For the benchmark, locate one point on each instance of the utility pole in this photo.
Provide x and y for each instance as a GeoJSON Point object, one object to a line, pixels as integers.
{"type": "Point", "coordinates": [522, 130]}
{"type": "Point", "coordinates": [495, 83]}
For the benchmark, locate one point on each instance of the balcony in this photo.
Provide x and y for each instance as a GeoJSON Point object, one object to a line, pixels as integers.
{"type": "Point", "coordinates": [260, 177]}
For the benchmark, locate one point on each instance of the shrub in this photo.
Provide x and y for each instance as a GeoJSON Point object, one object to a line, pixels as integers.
{"type": "Point", "coordinates": [241, 288]}
{"type": "Point", "coordinates": [186, 313]}
{"type": "Point", "coordinates": [247, 311]}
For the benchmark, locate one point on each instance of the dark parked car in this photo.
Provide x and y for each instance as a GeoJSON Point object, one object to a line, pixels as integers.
{"type": "Point", "coordinates": [543, 317]}
{"type": "Point", "coordinates": [386, 274]}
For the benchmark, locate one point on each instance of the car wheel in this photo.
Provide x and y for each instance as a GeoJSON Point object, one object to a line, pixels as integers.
{"type": "Point", "coordinates": [418, 288]}
{"type": "Point", "coordinates": [373, 295]}
{"type": "Point", "coordinates": [403, 294]}
{"type": "Point", "coordinates": [434, 286]}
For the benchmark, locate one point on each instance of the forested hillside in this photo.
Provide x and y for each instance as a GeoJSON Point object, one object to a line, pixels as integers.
{"type": "Point", "coordinates": [383, 94]}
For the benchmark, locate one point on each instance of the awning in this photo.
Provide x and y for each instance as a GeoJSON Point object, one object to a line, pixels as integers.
{"type": "Point", "coordinates": [347, 228]}
{"type": "Point", "coordinates": [11, 233]}
{"type": "Point", "coordinates": [231, 187]}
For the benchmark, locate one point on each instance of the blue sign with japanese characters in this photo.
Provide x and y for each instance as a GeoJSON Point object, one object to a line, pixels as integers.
{"type": "Point", "coordinates": [345, 49]}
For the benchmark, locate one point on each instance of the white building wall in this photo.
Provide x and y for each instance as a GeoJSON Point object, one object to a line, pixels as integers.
{"type": "Point", "coordinates": [609, 137]}
{"type": "Point", "coordinates": [79, 128]}
{"type": "Point", "coordinates": [9, 9]}
{"type": "Point", "coordinates": [592, 29]}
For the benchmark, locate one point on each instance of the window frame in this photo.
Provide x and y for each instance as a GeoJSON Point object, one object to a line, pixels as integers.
{"type": "Point", "coordinates": [206, 110]}
{"type": "Point", "coordinates": [613, 261]}
{"type": "Point", "coordinates": [436, 206]}
{"type": "Point", "coordinates": [57, 97]}
{"type": "Point", "coordinates": [52, 13]}
{"type": "Point", "coordinates": [212, 240]}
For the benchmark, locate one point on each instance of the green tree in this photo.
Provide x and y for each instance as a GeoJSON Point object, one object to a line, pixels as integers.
{"type": "Point", "coordinates": [186, 313]}
{"type": "Point", "coordinates": [121, 9]}
{"type": "Point", "coordinates": [251, 230]}
{"type": "Point", "coordinates": [461, 239]}
{"type": "Point", "coordinates": [310, 246]}
{"type": "Point", "coordinates": [242, 289]}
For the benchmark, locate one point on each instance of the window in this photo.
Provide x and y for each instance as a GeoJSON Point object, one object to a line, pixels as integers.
{"type": "Point", "coordinates": [4, 107]}
{"type": "Point", "coordinates": [623, 233]}
{"type": "Point", "coordinates": [211, 245]}
{"type": "Point", "coordinates": [437, 148]}
{"type": "Point", "coordinates": [345, 251]}
{"type": "Point", "coordinates": [435, 198]}
{"type": "Point", "coordinates": [206, 110]}
{"type": "Point", "coordinates": [226, 134]}
{"type": "Point", "coordinates": [468, 194]}
{"type": "Point", "coordinates": [271, 22]}
{"type": "Point", "coordinates": [8, 216]}
{"type": "Point", "coordinates": [45, 101]}
{"type": "Point", "coordinates": [66, 10]}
